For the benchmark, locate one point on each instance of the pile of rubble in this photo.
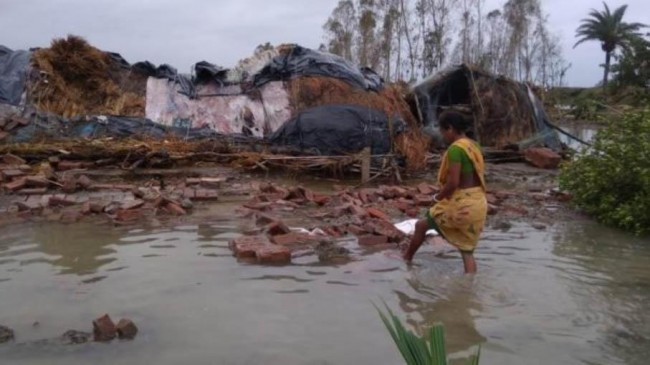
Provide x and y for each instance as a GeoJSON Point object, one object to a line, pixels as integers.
{"type": "Point", "coordinates": [60, 191]}
{"type": "Point", "coordinates": [367, 214]}
{"type": "Point", "coordinates": [104, 330]}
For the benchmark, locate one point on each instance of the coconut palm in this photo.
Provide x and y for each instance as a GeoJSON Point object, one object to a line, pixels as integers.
{"type": "Point", "coordinates": [610, 30]}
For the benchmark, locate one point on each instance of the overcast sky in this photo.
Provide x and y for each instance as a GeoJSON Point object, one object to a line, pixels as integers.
{"type": "Point", "coordinates": [223, 31]}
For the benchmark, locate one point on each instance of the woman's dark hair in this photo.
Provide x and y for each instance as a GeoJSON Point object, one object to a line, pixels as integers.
{"type": "Point", "coordinates": [457, 121]}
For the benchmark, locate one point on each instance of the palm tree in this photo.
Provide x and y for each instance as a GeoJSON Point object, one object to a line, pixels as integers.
{"type": "Point", "coordinates": [610, 30]}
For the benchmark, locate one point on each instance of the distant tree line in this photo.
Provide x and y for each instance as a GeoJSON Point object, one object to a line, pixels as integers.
{"type": "Point", "coordinates": [412, 39]}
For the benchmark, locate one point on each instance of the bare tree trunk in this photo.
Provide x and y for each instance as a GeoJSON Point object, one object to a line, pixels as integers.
{"type": "Point", "coordinates": [608, 58]}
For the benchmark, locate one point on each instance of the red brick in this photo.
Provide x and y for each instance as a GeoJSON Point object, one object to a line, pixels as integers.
{"type": "Point", "coordinates": [189, 193]}
{"type": "Point", "coordinates": [402, 206]}
{"type": "Point", "coordinates": [503, 195]}
{"type": "Point", "coordinates": [294, 239]}
{"type": "Point", "coordinates": [276, 228]}
{"type": "Point", "coordinates": [273, 254]}
{"type": "Point", "coordinates": [543, 157]}
{"type": "Point", "coordinates": [175, 208]}
{"type": "Point", "coordinates": [492, 199]}
{"type": "Point", "coordinates": [358, 211]}
{"type": "Point", "coordinates": [321, 199]}
{"type": "Point", "coordinates": [254, 205]}
{"type": "Point", "coordinates": [104, 328]}
{"type": "Point", "coordinates": [126, 329]}
{"type": "Point", "coordinates": [132, 204]}
{"type": "Point", "coordinates": [123, 215]}
{"type": "Point", "coordinates": [492, 209]}
{"type": "Point", "coordinates": [423, 200]}
{"type": "Point", "coordinates": [11, 159]}
{"type": "Point", "coordinates": [332, 231]}
{"type": "Point", "coordinates": [245, 246]}
{"type": "Point", "coordinates": [356, 230]}
{"type": "Point", "coordinates": [425, 189]}
{"type": "Point", "coordinates": [377, 213]}
{"type": "Point", "coordinates": [61, 200]}
{"type": "Point", "coordinates": [515, 210]}
{"type": "Point", "coordinates": [192, 181]}
{"type": "Point", "coordinates": [37, 181]}
{"type": "Point", "coordinates": [372, 240]}
{"type": "Point", "coordinates": [71, 216]}
{"type": "Point", "coordinates": [12, 173]}
{"type": "Point", "coordinates": [69, 165]}
{"type": "Point", "coordinates": [97, 207]}
{"type": "Point", "coordinates": [206, 194]}
{"type": "Point", "coordinates": [413, 213]}
{"type": "Point", "coordinates": [85, 182]}
{"type": "Point", "coordinates": [338, 212]}
{"type": "Point", "coordinates": [384, 228]}
{"type": "Point", "coordinates": [33, 191]}
{"type": "Point", "coordinates": [69, 186]}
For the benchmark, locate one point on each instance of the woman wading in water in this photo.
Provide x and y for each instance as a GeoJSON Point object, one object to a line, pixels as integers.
{"type": "Point", "coordinates": [460, 208]}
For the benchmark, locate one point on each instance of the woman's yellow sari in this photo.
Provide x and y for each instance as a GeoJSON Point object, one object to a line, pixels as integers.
{"type": "Point", "coordinates": [460, 218]}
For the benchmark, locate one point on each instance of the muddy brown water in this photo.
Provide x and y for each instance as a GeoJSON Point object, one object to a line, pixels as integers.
{"type": "Point", "coordinates": [576, 293]}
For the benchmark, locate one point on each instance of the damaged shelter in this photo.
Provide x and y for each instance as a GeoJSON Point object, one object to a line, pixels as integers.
{"type": "Point", "coordinates": [287, 96]}
{"type": "Point", "coordinates": [506, 114]}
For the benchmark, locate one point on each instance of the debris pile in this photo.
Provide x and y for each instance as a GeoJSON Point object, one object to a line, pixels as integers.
{"type": "Point", "coordinates": [73, 78]}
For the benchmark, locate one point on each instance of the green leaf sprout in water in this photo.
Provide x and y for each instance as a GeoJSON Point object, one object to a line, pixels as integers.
{"type": "Point", "coordinates": [419, 350]}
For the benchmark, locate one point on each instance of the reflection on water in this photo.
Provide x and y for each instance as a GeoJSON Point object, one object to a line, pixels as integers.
{"type": "Point", "coordinates": [577, 294]}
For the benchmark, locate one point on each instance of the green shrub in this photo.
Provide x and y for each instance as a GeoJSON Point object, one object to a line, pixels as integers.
{"type": "Point", "coordinates": [611, 181]}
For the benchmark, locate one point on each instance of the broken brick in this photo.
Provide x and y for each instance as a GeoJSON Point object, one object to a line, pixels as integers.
{"type": "Point", "coordinates": [492, 209]}
{"type": "Point", "coordinates": [104, 328]}
{"type": "Point", "coordinates": [69, 186]}
{"type": "Point", "coordinates": [33, 191]}
{"type": "Point", "coordinates": [11, 159]}
{"type": "Point", "coordinates": [383, 228]}
{"type": "Point", "coordinates": [131, 215]}
{"type": "Point", "coordinates": [543, 157]}
{"type": "Point", "coordinates": [276, 228]}
{"type": "Point", "coordinates": [12, 173]}
{"type": "Point", "coordinates": [273, 254]}
{"type": "Point", "coordinates": [36, 181]}
{"type": "Point", "coordinates": [293, 239]}
{"type": "Point", "coordinates": [377, 213]}
{"type": "Point", "coordinates": [372, 240]}
{"type": "Point", "coordinates": [85, 182]}
{"type": "Point", "coordinates": [358, 211]}
{"type": "Point", "coordinates": [321, 199]}
{"type": "Point", "coordinates": [175, 208]}
{"type": "Point", "coordinates": [62, 200]}
{"type": "Point", "coordinates": [245, 246]}
{"type": "Point", "coordinates": [206, 194]}
{"type": "Point", "coordinates": [16, 184]}
{"type": "Point", "coordinates": [423, 200]}
{"type": "Point", "coordinates": [356, 230]}
{"type": "Point", "coordinates": [68, 165]}
{"type": "Point", "coordinates": [126, 329]}
{"type": "Point", "coordinates": [425, 189]}
{"type": "Point", "coordinates": [132, 204]}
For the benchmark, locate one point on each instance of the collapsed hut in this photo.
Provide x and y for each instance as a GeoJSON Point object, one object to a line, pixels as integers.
{"type": "Point", "coordinates": [287, 98]}
{"type": "Point", "coordinates": [506, 113]}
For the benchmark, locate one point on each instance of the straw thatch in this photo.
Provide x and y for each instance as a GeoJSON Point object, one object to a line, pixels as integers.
{"type": "Point", "coordinates": [78, 79]}
{"type": "Point", "coordinates": [502, 111]}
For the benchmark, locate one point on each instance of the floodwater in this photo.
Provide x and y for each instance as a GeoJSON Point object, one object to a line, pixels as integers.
{"type": "Point", "coordinates": [585, 131]}
{"type": "Point", "coordinates": [576, 293]}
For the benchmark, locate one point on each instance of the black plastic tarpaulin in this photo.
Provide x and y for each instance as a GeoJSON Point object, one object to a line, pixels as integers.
{"type": "Point", "coordinates": [13, 74]}
{"type": "Point", "coordinates": [338, 129]}
{"type": "Point", "coordinates": [302, 61]}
